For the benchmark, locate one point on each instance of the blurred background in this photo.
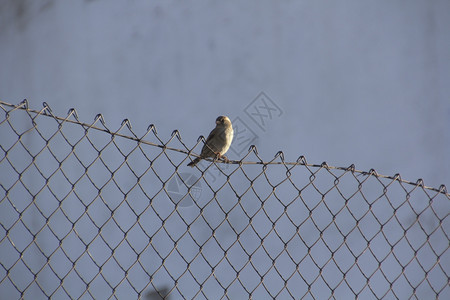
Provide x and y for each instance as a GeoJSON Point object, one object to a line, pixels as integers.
{"type": "Point", "coordinates": [358, 82]}
{"type": "Point", "coordinates": [354, 82]}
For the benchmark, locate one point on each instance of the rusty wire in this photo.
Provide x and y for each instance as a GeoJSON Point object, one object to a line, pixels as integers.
{"type": "Point", "coordinates": [88, 212]}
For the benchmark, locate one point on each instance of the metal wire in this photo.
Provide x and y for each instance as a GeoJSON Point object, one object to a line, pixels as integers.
{"type": "Point", "coordinates": [88, 213]}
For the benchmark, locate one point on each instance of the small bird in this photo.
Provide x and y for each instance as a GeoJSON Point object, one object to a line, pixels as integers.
{"type": "Point", "coordinates": [218, 141]}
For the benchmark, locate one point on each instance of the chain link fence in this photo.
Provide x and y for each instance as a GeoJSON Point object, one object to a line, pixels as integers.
{"type": "Point", "coordinates": [91, 213]}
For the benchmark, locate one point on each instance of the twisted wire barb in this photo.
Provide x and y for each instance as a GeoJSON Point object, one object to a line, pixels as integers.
{"type": "Point", "coordinates": [46, 111]}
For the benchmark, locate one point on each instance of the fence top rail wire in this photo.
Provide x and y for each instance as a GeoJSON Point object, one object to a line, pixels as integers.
{"type": "Point", "coordinates": [72, 113]}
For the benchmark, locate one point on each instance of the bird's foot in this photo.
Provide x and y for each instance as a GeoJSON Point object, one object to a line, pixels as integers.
{"type": "Point", "coordinates": [220, 157]}
{"type": "Point", "coordinates": [216, 156]}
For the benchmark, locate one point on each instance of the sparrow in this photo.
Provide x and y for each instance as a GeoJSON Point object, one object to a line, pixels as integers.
{"type": "Point", "coordinates": [218, 141]}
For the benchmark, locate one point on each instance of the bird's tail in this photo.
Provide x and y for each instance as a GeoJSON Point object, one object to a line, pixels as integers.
{"type": "Point", "coordinates": [194, 162]}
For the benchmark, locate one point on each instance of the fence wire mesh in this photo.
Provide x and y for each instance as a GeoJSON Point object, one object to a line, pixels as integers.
{"type": "Point", "coordinates": [91, 213]}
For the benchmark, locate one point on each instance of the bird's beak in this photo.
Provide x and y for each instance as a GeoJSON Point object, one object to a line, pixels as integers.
{"type": "Point", "coordinates": [217, 122]}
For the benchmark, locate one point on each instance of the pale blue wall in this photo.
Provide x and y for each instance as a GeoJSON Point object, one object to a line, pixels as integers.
{"type": "Point", "coordinates": [363, 82]}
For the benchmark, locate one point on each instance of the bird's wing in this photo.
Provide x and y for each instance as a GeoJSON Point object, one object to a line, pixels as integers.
{"type": "Point", "coordinates": [208, 147]}
{"type": "Point", "coordinates": [211, 135]}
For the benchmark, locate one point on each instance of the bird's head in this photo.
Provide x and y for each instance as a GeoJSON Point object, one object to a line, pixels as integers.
{"type": "Point", "coordinates": [223, 120]}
